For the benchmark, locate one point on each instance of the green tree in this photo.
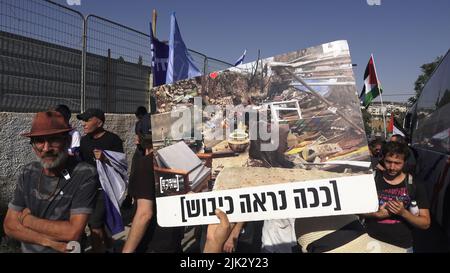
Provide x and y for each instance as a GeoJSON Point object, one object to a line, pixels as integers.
{"type": "Point", "coordinates": [427, 70]}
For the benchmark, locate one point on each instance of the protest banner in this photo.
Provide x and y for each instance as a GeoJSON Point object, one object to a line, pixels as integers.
{"type": "Point", "coordinates": [278, 138]}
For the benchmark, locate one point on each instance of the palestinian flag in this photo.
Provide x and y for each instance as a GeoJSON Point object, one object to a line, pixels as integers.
{"type": "Point", "coordinates": [394, 128]}
{"type": "Point", "coordinates": [372, 87]}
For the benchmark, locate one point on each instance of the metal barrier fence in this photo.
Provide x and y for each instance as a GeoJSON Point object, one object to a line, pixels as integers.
{"type": "Point", "coordinates": [215, 65]}
{"type": "Point", "coordinates": [51, 54]}
{"type": "Point", "coordinates": [40, 56]}
{"type": "Point", "coordinates": [118, 66]}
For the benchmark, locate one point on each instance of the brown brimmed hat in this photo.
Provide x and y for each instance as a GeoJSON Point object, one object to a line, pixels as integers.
{"type": "Point", "coordinates": [47, 123]}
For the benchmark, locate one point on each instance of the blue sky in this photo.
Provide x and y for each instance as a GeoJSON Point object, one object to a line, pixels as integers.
{"type": "Point", "coordinates": [402, 35]}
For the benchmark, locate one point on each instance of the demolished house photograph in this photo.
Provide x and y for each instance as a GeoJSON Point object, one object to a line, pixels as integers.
{"type": "Point", "coordinates": [290, 118]}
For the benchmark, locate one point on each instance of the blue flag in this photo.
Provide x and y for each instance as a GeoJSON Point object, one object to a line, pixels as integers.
{"type": "Point", "coordinates": [180, 65]}
{"type": "Point", "coordinates": [114, 181]}
{"type": "Point", "coordinates": [160, 57]}
{"type": "Point", "coordinates": [241, 59]}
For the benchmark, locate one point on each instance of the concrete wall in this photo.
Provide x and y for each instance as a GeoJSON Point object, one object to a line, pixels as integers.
{"type": "Point", "coordinates": [15, 151]}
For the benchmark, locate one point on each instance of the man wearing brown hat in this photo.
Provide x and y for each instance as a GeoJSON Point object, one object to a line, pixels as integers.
{"type": "Point", "coordinates": [96, 140]}
{"type": "Point", "coordinates": [55, 195]}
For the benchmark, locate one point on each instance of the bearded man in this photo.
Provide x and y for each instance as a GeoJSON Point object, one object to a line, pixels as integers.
{"type": "Point", "coordinates": [393, 222]}
{"type": "Point", "coordinates": [55, 195]}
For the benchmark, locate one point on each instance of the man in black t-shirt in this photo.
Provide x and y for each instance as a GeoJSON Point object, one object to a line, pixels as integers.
{"type": "Point", "coordinates": [393, 222]}
{"type": "Point", "coordinates": [142, 126]}
{"type": "Point", "coordinates": [145, 234]}
{"type": "Point", "coordinates": [96, 140]}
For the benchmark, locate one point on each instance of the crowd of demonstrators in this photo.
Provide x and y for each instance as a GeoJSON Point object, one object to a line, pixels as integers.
{"type": "Point", "coordinates": [145, 234]}
{"type": "Point", "coordinates": [55, 195]}
{"type": "Point", "coordinates": [93, 143]}
{"type": "Point", "coordinates": [47, 211]}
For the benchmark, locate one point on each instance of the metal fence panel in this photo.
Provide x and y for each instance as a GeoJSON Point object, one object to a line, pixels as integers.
{"type": "Point", "coordinates": [118, 66]}
{"type": "Point", "coordinates": [40, 55]}
{"type": "Point", "coordinates": [215, 65]}
{"type": "Point", "coordinates": [199, 60]}
{"type": "Point", "coordinates": [46, 60]}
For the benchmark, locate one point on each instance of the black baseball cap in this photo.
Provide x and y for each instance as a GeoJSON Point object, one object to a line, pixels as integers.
{"type": "Point", "coordinates": [92, 112]}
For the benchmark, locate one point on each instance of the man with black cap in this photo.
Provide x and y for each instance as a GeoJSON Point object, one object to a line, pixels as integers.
{"type": "Point", "coordinates": [92, 145]}
{"type": "Point", "coordinates": [55, 195]}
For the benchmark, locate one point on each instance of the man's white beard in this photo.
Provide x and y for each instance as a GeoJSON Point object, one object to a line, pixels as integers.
{"type": "Point", "coordinates": [59, 161]}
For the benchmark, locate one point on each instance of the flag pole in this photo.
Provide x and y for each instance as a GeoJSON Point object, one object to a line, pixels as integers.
{"type": "Point", "coordinates": [154, 17]}
{"type": "Point", "coordinates": [153, 35]}
{"type": "Point", "coordinates": [384, 117]}
{"type": "Point", "coordinates": [381, 98]}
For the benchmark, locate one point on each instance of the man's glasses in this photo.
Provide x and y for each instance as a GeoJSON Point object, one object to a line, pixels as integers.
{"type": "Point", "coordinates": [53, 141]}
